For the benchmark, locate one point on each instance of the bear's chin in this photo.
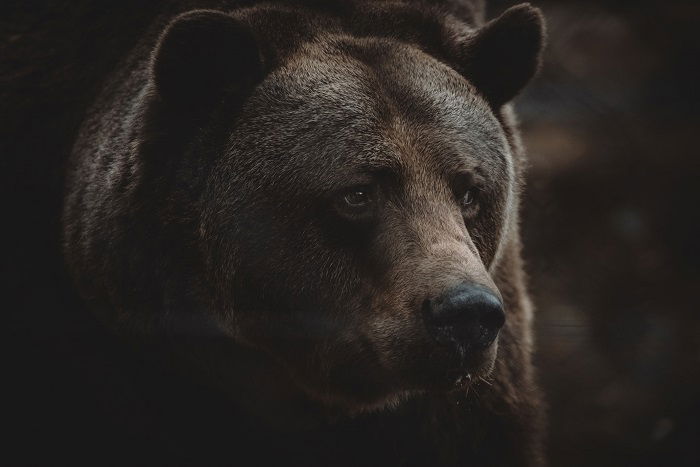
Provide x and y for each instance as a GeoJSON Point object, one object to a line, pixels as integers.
{"type": "Point", "coordinates": [453, 383]}
{"type": "Point", "coordinates": [390, 402]}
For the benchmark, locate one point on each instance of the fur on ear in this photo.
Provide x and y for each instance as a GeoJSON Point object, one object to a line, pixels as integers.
{"type": "Point", "coordinates": [203, 53]}
{"type": "Point", "coordinates": [500, 58]}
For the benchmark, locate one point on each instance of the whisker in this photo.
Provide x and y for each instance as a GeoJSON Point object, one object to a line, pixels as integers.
{"type": "Point", "coordinates": [485, 381]}
{"type": "Point", "coordinates": [557, 325]}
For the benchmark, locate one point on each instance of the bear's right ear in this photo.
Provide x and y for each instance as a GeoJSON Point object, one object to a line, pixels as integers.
{"type": "Point", "coordinates": [203, 53]}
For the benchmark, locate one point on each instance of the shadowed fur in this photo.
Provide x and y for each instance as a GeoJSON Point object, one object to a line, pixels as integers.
{"type": "Point", "coordinates": [207, 210]}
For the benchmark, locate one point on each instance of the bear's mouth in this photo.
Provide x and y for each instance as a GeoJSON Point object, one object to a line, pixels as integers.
{"type": "Point", "coordinates": [462, 371]}
{"type": "Point", "coordinates": [462, 382]}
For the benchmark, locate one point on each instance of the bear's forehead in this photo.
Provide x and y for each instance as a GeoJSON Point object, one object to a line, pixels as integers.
{"type": "Point", "coordinates": [354, 102]}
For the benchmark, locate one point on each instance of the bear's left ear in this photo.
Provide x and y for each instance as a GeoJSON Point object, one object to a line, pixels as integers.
{"type": "Point", "coordinates": [202, 54]}
{"type": "Point", "coordinates": [502, 56]}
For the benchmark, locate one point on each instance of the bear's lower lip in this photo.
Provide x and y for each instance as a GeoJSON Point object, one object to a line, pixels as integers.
{"type": "Point", "coordinates": [458, 378]}
{"type": "Point", "coordinates": [456, 372]}
{"type": "Point", "coordinates": [451, 382]}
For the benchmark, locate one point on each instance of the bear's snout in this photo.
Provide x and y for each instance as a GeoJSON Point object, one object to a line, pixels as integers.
{"type": "Point", "coordinates": [465, 317]}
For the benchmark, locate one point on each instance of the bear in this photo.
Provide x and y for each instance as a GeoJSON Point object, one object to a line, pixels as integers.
{"type": "Point", "coordinates": [313, 207]}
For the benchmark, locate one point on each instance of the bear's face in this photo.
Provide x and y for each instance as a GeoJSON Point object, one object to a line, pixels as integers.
{"type": "Point", "coordinates": [356, 187]}
{"type": "Point", "coordinates": [362, 183]}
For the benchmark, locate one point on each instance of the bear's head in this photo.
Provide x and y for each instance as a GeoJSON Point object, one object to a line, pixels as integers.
{"type": "Point", "coordinates": [360, 189]}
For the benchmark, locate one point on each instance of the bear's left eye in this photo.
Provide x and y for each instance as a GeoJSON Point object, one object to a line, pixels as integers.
{"type": "Point", "coordinates": [469, 203]}
{"type": "Point", "coordinates": [466, 193]}
{"type": "Point", "coordinates": [468, 198]}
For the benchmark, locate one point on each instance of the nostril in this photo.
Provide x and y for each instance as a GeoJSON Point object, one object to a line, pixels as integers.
{"type": "Point", "coordinates": [493, 317]}
{"type": "Point", "coordinates": [468, 315]}
{"type": "Point", "coordinates": [491, 321]}
{"type": "Point", "coordinates": [490, 311]}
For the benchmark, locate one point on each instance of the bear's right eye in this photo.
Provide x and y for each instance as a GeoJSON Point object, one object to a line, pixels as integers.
{"type": "Point", "coordinates": [357, 199]}
{"type": "Point", "coordinates": [356, 203]}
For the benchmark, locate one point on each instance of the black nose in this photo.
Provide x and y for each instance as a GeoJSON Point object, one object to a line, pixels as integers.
{"type": "Point", "coordinates": [467, 316]}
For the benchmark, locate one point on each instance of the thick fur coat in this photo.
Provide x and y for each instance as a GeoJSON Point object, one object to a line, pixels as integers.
{"type": "Point", "coordinates": [207, 218]}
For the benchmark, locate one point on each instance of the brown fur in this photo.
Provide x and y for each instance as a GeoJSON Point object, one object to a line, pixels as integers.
{"type": "Point", "coordinates": [202, 209]}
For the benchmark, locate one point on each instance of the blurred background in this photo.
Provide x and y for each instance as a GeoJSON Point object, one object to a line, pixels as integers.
{"type": "Point", "coordinates": [611, 228]}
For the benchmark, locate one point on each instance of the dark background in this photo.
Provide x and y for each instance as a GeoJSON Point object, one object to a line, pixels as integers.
{"type": "Point", "coordinates": [610, 228]}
